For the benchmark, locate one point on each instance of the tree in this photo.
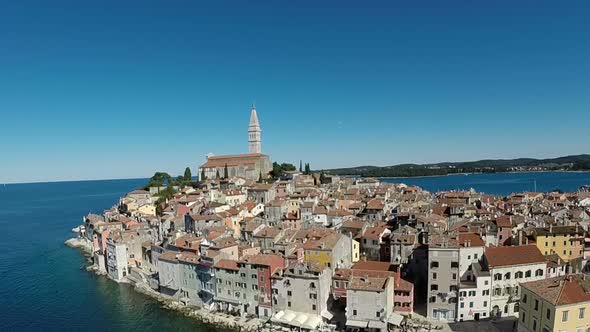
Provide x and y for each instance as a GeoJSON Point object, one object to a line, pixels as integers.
{"type": "Point", "coordinates": [260, 177]}
{"type": "Point", "coordinates": [203, 177]}
{"type": "Point", "coordinates": [187, 174]}
{"type": "Point", "coordinates": [307, 169]}
{"type": "Point", "coordinates": [159, 180]}
{"type": "Point", "coordinates": [225, 172]}
{"type": "Point", "coordinates": [300, 166]}
{"type": "Point", "coordinates": [323, 179]}
{"type": "Point", "coordinates": [217, 174]}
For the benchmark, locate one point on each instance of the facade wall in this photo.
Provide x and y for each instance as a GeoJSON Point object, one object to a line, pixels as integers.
{"type": "Point", "coordinates": [443, 264]}
{"type": "Point", "coordinates": [505, 291]}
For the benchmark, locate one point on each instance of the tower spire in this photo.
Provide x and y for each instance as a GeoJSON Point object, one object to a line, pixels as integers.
{"type": "Point", "coordinates": [254, 132]}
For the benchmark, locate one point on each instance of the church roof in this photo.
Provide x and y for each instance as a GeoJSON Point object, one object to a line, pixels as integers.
{"type": "Point", "coordinates": [233, 160]}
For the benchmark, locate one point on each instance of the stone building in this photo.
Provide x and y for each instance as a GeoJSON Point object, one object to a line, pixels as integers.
{"type": "Point", "coordinates": [251, 165]}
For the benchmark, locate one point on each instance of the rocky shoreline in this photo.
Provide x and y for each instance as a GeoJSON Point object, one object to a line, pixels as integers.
{"type": "Point", "coordinates": [213, 319]}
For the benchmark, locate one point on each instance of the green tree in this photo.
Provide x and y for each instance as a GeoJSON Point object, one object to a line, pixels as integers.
{"type": "Point", "coordinates": [260, 177]}
{"type": "Point", "coordinates": [300, 166]}
{"type": "Point", "coordinates": [187, 174]}
{"type": "Point", "coordinates": [217, 174]}
{"type": "Point", "coordinates": [323, 179]}
{"type": "Point", "coordinates": [225, 172]}
{"type": "Point", "coordinates": [307, 169]}
{"type": "Point", "coordinates": [203, 177]}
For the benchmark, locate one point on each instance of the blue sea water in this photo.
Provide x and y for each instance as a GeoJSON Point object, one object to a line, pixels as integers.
{"type": "Point", "coordinates": [500, 183]}
{"type": "Point", "coordinates": [44, 287]}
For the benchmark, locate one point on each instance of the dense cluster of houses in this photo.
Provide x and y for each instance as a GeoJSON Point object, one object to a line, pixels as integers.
{"type": "Point", "coordinates": [353, 253]}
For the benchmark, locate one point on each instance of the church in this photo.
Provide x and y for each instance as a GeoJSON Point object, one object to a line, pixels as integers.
{"type": "Point", "coordinates": [248, 165]}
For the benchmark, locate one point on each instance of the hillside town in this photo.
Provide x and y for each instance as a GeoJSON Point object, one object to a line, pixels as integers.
{"type": "Point", "coordinates": [304, 250]}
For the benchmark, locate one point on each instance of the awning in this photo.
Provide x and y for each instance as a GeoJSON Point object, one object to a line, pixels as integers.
{"type": "Point", "coordinates": [289, 316]}
{"type": "Point", "coordinates": [312, 322]}
{"type": "Point", "coordinates": [277, 318]}
{"type": "Point", "coordinates": [395, 319]}
{"type": "Point", "coordinates": [376, 324]}
{"type": "Point", "coordinates": [326, 314]}
{"type": "Point", "coordinates": [299, 320]}
{"type": "Point", "coordinates": [356, 323]}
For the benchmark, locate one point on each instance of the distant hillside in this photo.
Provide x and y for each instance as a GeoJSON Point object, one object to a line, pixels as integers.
{"type": "Point", "coordinates": [567, 163]}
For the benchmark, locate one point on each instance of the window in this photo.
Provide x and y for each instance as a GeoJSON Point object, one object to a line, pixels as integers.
{"type": "Point", "coordinates": [536, 305]}
{"type": "Point", "coordinates": [534, 324]}
{"type": "Point", "coordinates": [462, 305]}
{"type": "Point", "coordinates": [289, 293]}
{"type": "Point", "coordinates": [433, 264]}
{"type": "Point", "coordinates": [433, 287]}
{"type": "Point", "coordinates": [432, 299]}
{"type": "Point", "coordinates": [289, 304]}
{"type": "Point", "coordinates": [527, 274]}
{"type": "Point", "coordinates": [507, 276]}
{"type": "Point", "coordinates": [454, 265]}
{"type": "Point", "coordinates": [313, 296]}
{"type": "Point", "coordinates": [498, 276]}
{"type": "Point", "coordinates": [581, 313]}
{"type": "Point", "coordinates": [524, 298]}
{"type": "Point", "coordinates": [485, 303]}
{"type": "Point", "coordinates": [354, 312]}
{"type": "Point", "coordinates": [548, 315]}
{"type": "Point", "coordinates": [254, 276]}
{"type": "Point", "coordinates": [470, 304]}
{"type": "Point", "coordinates": [454, 276]}
{"type": "Point", "coordinates": [518, 275]}
{"type": "Point", "coordinates": [475, 256]}
{"type": "Point", "coordinates": [312, 285]}
{"type": "Point", "coordinates": [539, 273]}
{"type": "Point", "coordinates": [434, 275]}
{"type": "Point", "coordinates": [497, 291]}
{"type": "Point", "coordinates": [313, 307]}
{"type": "Point", "coordinates": [564, 316]}
{"type": "Point", "coordinates": [523, 315]}
{"type": "Point", "coordinates": [377, 314]}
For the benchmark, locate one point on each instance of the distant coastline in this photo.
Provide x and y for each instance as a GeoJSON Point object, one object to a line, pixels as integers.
{"type": "Point", "coordinates": [472, 173]}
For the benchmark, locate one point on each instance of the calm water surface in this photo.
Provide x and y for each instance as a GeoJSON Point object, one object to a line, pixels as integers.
{"type": "Point", "coordinates": [43, 286]}
{"type": "Point", "coordinates": [501, 183]}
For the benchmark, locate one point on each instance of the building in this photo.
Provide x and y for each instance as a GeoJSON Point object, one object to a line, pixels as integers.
{"type": "Point", "coordinates": [332, 251]}
{"type": "Point", "coordinates": [508, 267]}
{"type": "Point", "coordinates": [302, 290]}
{"type": "Point", "coordinates": [443, 279]}
{"type": "Point", "coordinates": [369, 305]}
{"type": "Point", "coordinates": [251, 165]}
{"type": "Point", "coordinates": [555, 304]}
{"type": "Point", "coordinates": [565, 241]}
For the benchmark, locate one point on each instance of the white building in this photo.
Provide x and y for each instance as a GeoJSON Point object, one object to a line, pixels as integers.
{"type": "Point", "coordinates": [508, 267]}
{"type": "Point", "coordinates": [369, 303]}
{"type": "Point", "coordinates": [116, 257]}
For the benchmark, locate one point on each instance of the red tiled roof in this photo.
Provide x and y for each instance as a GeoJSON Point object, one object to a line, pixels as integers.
{"type": "Point", "coordinates": [518, 255]}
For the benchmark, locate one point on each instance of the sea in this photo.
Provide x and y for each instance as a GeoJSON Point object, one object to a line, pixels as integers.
{"type": "Point", "coordinates": [44, 285]}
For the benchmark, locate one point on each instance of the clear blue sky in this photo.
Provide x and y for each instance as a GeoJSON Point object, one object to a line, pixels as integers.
{"type": "Point", "coordinates": [103, 89]}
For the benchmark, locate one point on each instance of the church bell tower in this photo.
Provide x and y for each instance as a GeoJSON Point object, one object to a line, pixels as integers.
{"type": "Point", "coordinates": [254, 132]}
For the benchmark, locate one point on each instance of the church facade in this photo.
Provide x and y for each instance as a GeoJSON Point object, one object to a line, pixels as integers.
{"type": "Point", "coordinates": [250, 165]}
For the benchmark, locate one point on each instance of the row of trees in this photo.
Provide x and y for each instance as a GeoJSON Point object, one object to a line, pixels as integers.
{"type": "Point", "coordinates": [306, 170]}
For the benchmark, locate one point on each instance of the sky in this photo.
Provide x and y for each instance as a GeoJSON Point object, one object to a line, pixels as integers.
{"type": "Point", "coordinates": [121, 89]}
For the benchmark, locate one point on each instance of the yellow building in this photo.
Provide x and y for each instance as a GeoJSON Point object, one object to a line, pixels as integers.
{"type": "Point", "coordinates": [147, 210]}
{"type": "Point", "coordinates": [565, 241]}
{"type": "Point", "coordinates": [560, 304]}
{"type": "Point", "coordinates": [332, 251]}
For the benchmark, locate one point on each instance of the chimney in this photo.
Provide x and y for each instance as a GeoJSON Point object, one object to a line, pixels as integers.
{"type": "Point", "coordinates": [550, 228]}
{"type": "Point", "coordinates": [520, 236]}
{"type": "Point", "coordinates": [398, 276]}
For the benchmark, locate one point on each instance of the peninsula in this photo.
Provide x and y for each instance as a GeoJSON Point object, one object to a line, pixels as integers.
{"type": "Point", "coordinates": [262, 246]}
